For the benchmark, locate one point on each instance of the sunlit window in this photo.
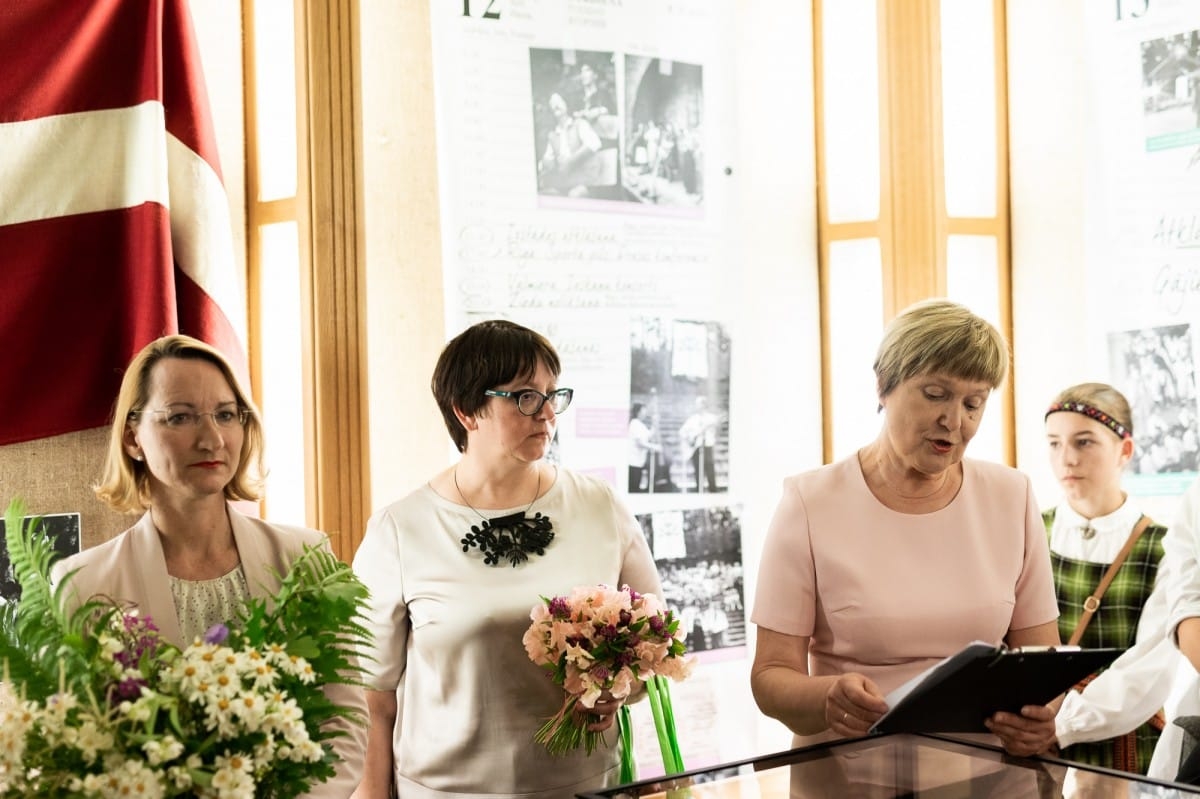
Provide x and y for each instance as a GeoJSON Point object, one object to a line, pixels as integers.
{"type": "Point", "coordinates": [275, 111]}
{"type": "Point", "coordinates": [855, 327]}
{"type": "Point", "coordinates": [851, 110]}
{"type": "Point", "coordinates": [281, 376]}
{"type": "Point", "coordinates": [272, 235]}
{"type": "Point", "coordinates": [969, 107]}
{"type": "Point", "coordinates": [903, 220]}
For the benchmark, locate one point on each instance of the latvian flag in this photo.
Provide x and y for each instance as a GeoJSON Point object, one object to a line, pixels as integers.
{"type": "Point", "coordinates": [114, 224]}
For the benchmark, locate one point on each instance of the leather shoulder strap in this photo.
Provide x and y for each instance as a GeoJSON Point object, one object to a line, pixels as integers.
{"type": "Point", "coordinates": [1092, 603]}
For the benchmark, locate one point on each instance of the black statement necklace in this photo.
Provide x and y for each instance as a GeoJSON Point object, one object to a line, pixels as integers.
{"type": "Point", "coordinates": [514, 537]}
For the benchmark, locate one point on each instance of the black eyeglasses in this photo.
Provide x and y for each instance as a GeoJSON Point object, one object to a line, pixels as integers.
{"type": "Point", "coordinates": [529, 401]}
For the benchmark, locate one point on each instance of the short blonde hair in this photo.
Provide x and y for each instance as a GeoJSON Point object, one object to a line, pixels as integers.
{"type": "Point", "coordinates": [941, 336]}
{"type": "Point", "coordinates": [123, 484]}
{"type": "Point", "coordinates": [1103, 398]}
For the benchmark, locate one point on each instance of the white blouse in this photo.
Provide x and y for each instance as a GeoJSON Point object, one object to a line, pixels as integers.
{"type": "Point", "coordinates": [448, 631]}
{"type": "Point", "coordinates": [202, 603]}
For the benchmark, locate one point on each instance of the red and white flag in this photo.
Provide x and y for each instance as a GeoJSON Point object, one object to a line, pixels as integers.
{"type": "Point", "coordinates": [114, 223]}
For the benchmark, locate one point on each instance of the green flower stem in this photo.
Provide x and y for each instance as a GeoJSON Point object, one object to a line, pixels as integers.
{"type": "Point", "coordinates": [565, 731]}
{"type": "Point", "coordinates": [660, 727]}
{"type": "Point", "coordinates": [625, 733]}
{"type": "Point", "coordinates": [664, 690]}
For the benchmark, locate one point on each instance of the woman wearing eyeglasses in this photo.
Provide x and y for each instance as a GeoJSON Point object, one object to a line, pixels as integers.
{"type": "Point", "coordinates": [186, 442]}
{"type": "Point", "coordinates": [454, 569]}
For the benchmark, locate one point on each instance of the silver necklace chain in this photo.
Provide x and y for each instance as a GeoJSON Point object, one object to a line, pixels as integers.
{"type": "Point", "coordinates": [463, 497]}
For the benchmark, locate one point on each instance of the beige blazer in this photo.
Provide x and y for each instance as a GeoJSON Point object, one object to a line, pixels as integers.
{"type": "Point", "coordinates": [132, 568]}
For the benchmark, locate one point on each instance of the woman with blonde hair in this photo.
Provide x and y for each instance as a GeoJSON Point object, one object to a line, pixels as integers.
{"type": "Point", "coordinates": [880, 565]}
{"type": "Point", "coordinates": [186, 442]}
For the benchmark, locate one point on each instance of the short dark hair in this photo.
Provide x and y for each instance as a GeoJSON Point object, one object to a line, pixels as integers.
{"type": "Point", "coordinates": [483, 356]}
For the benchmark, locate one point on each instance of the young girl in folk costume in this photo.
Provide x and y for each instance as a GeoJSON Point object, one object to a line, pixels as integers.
{"type": "Point", "coordinates": [1103, 547]}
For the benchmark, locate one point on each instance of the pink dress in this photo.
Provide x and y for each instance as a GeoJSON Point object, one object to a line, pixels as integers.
{"type": "Point", "coordinates": [888, 594]}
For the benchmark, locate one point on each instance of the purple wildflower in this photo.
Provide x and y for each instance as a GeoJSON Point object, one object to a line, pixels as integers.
{"type": "Point", "coordinates": [560, 608]}
{"type": "Point", "coordinates": [129, 688]}
{"type": "Point", "coordinates": [216, 634]}
{"type": "Point", "coordinates": [141, 640]}
{"type": "Point", "coordinates": [137, 623]}
{"type": "Point", "coordinates": [141, 636]}
{"type": "Point", "coordinates": [657, 625]}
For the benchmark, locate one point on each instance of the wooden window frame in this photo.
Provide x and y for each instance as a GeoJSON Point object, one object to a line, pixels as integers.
{"type": "Point", "coordinates": [913, 227]}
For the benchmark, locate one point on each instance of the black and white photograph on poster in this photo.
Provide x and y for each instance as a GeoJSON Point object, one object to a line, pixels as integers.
{"type": "Point", "coordinates": [664, 123]}
{"type": "Point", "coordinates": [63, 529]}
{"type": "Point", "coordinates": [576, 123]}
{"type": "Point", "coordinates": [1171, 90]}
{"type": "Point", "coordinates": [679, 406]}
{"type": "Point", "coordinates": [699, 558]}
{"type": "Point", "coordinates": [1155, 369]}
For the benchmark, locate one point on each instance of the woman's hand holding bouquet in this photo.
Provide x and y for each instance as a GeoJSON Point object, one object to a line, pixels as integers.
{"type": "Point", "coordinates": [94, 703]}
{"type": "Point", "coordinates": [601, 645]}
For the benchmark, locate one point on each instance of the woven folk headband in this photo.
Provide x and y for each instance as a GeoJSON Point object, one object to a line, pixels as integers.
{"type": "Point", "coordinates": [1091, 413]}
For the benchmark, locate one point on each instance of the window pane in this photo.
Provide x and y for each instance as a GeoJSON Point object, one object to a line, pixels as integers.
{"type": "Point", "coordinates": [972, 279]}
{"type": "Point", "coordinates": [851, 109]}
{"type": "Point", "coordinates": [275, 85]}
{"type": "Point", "coordinates": [282, 377]}
{"type": "Point", "coordinates": [969, 107]}
{"type": "Point", "coordinates": [855, 327]}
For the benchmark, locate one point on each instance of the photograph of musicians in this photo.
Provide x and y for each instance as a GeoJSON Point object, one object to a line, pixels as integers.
{"type": "Point", "coordinates": [699, 437]}
{"type": "Point", "coordinates": [641, 448]}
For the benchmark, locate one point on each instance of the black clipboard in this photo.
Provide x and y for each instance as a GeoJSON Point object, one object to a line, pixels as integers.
{"type": "Point", "coordinates": [959, 693]}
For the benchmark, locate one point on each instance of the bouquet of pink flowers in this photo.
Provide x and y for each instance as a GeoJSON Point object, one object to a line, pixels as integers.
{"type": "Point", "coordinates": [601, 639]}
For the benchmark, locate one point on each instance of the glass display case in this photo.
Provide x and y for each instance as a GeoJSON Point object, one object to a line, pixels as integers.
{"type": "Point", "coordinates": [895, 766]}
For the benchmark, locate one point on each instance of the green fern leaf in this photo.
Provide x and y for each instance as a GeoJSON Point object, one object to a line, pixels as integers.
{"type": "Point", "coordinates": [42, 646]}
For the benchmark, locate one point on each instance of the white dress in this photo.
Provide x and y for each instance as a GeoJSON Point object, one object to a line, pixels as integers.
{"type": "Point", "coordinates": [448, 632]}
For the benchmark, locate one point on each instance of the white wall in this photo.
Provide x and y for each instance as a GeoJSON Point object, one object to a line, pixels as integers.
{"type": "Point", "coordinates": [1046, 133]}
{"type": "Point", "coordinates": [1048, 112]}
{"type": "Point", "coordinates": [405, 325]}
{"type": "Point", "coordinates": [776, 395]}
